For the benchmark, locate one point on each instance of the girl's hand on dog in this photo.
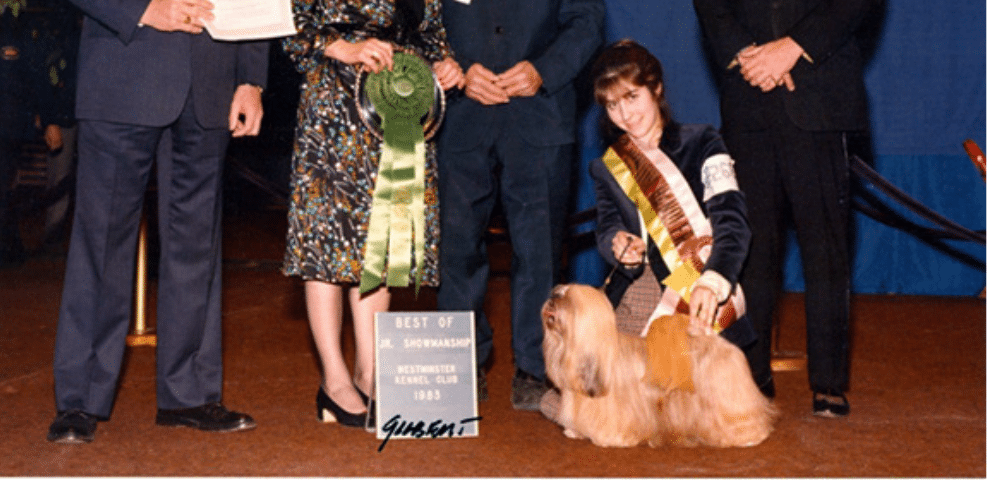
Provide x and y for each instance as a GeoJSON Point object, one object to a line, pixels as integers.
{"type": "Point", "coordinates": [702, 308]}
{"type": "Point", "coordinates": [628, 249]}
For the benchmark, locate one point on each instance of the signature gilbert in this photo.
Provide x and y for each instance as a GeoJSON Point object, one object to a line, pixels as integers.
{"type": "Point", "coordinates": [419, 429]}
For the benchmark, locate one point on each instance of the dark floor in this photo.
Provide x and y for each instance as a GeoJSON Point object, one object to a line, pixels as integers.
{"type": "Point", "coordinates": [917, 393]}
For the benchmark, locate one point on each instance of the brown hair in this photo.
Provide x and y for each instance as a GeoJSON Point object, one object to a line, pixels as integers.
{"type": "Point", "coordinates": [627, 60]}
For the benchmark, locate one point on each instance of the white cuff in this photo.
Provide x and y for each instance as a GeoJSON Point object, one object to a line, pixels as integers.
{"type": "Point", "coordinates": [717, 283]}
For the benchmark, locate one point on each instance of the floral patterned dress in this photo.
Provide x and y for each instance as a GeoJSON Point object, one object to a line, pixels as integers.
{"type": "Point", "coordinates": [334, 163]}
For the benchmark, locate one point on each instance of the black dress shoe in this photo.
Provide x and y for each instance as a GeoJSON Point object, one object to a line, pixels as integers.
{"type": "Point", "coordinates": [72, 427]}
{"type": "Point", "coordinates": [830, 405]}
{"type": "Point", "coordinates": [211, 417]}
{"type": "Point", "coordinates": [327, 411]}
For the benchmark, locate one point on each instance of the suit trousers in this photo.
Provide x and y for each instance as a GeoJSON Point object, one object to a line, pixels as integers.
{"type": "Point", "coordinates": [115, 162]}
{"type": "Point", "coordinates": [788, 171]}
{"type": "Point", "coordinates": [532, 185]}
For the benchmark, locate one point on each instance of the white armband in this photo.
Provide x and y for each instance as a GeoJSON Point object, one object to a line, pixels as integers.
{"type": "Point", "coordinates": [718, 176]}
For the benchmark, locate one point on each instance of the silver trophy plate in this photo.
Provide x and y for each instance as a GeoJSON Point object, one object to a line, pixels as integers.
{"type": "Point", "coordinates": [368, 114]}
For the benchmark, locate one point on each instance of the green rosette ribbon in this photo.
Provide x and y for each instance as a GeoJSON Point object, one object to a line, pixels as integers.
{"type": "Point", "coordinates": [401, 96]}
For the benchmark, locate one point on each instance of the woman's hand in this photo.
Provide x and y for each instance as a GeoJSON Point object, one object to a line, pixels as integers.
{"type": "Point", "coordinates": [372, 53]}
{"type": "Point", "coordinates": [628, 249]}
{"type": "Point", "coordinates": [702, 308]}
{"type": "Point", "coordinates": [449, 73]}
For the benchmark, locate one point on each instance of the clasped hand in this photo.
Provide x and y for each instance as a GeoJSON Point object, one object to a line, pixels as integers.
{"type": "Point", "coordinates": [768, 66]}
{"type": "Point", "coordinates": [488, 88]}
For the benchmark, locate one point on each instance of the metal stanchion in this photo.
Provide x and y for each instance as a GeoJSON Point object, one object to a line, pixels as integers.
{"type": "Point", "coordinates": [783, 361]}
{"type": "Point", "coordinates": [977, 157]}
{"type": "Point", "coordinates": [141, 336]}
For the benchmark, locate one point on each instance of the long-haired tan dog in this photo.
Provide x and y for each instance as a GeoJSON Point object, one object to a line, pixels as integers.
{"type": "Point", "coordinates": [600, 374]}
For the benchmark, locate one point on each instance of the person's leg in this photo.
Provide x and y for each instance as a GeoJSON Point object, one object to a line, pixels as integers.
{"type": "Point", "coordinates": [467, 195]}
{"type": "Point", "coordinates": [819, 178]}
{"type": "Point", "coordinates": [534, 191]}
{"type": "Point", "coordinates": [324, 304]}
{"type": "Point", "coordinates": [189, 322]}
{"type": "Point", "coordinates": [114, 165]}
{"type": "Point", "coordinates": [364, 310]}
{"type": "Point", "coordinates": [757, 175]}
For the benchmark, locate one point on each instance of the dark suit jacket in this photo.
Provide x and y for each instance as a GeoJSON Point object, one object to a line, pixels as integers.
{"type": "Point", "coordinates": [141, 76]}
{"type": "Point", "coordinates": [557, 36]}
{"type": "Point", "coordinates": [829, 92]}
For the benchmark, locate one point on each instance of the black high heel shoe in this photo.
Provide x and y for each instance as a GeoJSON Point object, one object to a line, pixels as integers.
{"type": "Point", "coordinates": [327, 411]}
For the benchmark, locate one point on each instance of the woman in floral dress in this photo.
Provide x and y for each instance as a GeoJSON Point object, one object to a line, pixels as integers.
{"type": "Point", "coordinates": [334, 170]}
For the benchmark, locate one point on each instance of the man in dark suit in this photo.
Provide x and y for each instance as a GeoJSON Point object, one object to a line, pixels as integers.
{"type": "Point", "coordinates": [510, 138]}
{"type": "Point", "coordinates": [151, 84]}
{"type": "Point", "coordinates": [792, 90]}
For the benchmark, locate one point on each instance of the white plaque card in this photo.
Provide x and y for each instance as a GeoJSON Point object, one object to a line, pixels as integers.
{"type": "Point", "coordinates": [425, 375]}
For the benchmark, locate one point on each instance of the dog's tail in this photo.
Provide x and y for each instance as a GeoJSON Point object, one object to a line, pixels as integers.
{"type": "Point", "coordinates": [738, 414]}
{"type": "Point", "coordinates": [747, 415]}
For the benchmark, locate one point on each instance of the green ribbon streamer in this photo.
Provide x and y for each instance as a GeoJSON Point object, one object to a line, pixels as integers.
{"type": "Point", "coordinates": [401, 96]}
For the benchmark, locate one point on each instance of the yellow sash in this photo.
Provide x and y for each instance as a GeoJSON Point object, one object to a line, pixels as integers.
{"type": "Point", "coordinates": [683, 273]}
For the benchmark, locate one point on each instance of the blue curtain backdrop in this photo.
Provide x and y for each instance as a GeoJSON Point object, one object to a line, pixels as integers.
{"type": "Point", "coordinates": [926, 86]}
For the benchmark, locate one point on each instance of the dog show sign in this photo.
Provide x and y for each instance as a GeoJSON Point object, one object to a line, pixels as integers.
{"type": "Point", "coordinates": [425, 375]}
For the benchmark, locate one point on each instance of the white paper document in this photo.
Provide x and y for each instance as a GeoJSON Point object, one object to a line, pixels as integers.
{"type": "Point", "coordinates": [251, 19]}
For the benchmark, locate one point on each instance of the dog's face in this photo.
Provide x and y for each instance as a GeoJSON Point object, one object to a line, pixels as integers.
{"type": "Point", "coordinates": [577, 307]}
{"type": "Point", "coordinates": [580, 330]}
